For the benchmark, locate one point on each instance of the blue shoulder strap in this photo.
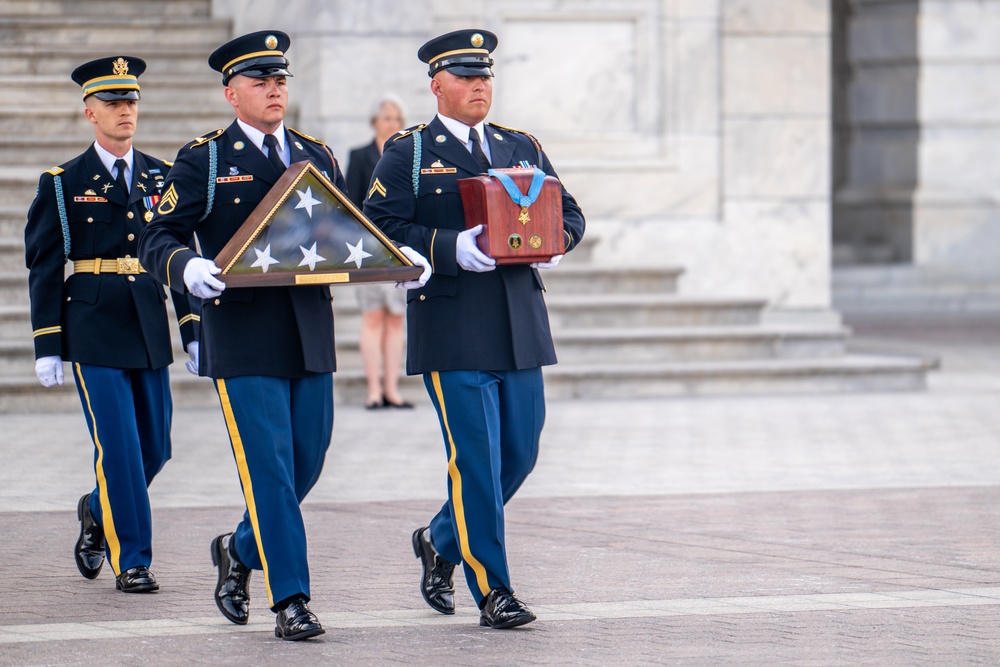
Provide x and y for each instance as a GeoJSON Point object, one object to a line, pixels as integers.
{"type": "Point", "coordinates": [63, 219]}
{"type": "Point", "coordinates": [417, 150]}
{"type": "Point", "coordinates": [213, 171]}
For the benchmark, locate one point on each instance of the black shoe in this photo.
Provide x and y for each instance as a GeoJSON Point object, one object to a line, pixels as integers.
{"type": "Point", "coordinates": [232, 592]}
{"type": "Point", "coordinates": [404, 405]}
{"type": "Point", "coordinates": [436, 584]}
{"type": "Point", "coordinates": [89, 550]}
{"type": "Point", "coordinates": [296, 622]}
{"type": "Point", "coordinates": [503, 610]}
{"type": "Point", "coordinates": [137, 580]}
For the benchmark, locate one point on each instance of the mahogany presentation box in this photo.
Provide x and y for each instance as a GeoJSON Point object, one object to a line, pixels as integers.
{"type": "Point", "coordinates": [514, 234]}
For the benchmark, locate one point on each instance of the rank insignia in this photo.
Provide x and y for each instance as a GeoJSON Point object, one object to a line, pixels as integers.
{"type": "Point", "coordinates": [169, 201]}
{"type": "Point", "coordinates": [89, 200]}
{"type": "Point", "coordinates": [234, 179]}
{"type": "Point", "coordinates": [377, 187]}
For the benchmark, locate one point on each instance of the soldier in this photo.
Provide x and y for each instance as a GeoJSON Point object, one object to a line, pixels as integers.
{"type": "Point", "coordinates": [479, 333]}
{"type": "Point", "coordinates": [270, 350]}
{"type": "Point", "coordinates": [108, 318]}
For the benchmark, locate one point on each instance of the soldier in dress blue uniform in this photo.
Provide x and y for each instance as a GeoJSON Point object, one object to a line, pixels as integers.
{"type": "Point", "coordinates": [108, 318]}
{"type": "Point", "coordinates": [270, 350]}
{"type": "Point", "coordinates": [479, 333]}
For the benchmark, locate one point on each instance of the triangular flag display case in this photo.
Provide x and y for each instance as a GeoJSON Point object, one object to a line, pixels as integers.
{"type": "Point", "coordinates": [307, 232]}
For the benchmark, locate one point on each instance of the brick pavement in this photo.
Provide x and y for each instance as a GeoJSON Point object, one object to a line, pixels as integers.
{"type": "Point", "coordinates": [785, 530]}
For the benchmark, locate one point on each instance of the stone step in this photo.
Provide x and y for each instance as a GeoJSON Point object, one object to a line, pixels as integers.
{"type": "Point", "coordinates": [11, 254]}
{"type": "Point", "coordinates": [56, 149]}
{"type": "Point", "coordinates": [154, 121]}
{"type": "Point", "coordinates": [580, 347]}
{"type": "Point", "coordinates": [583, 279]}
{"type": "Point", "coordinates": [14, 288]}
{"type": "Point", "coordinates": [62, 59]}
{"type": "Point", "coordinates": [15, 323]}
{"type": "Point", "coordinates": [13, 216]}
{"type": "Point", "coordinates": [845, 374]}
{"type": "Point", "coordinates": [62, 8]}
{"type": "Point", "coordinates": [60, 91]}
{"type": "Point", "coordinates": [630, 311]}
{"type": "Point", "coordinates": [112, 31]}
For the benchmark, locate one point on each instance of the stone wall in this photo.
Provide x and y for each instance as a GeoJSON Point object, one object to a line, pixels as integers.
{"type": "Point", "coordinates": [921, 126]}
{"type": "Point", "coordinates": [695, 133]}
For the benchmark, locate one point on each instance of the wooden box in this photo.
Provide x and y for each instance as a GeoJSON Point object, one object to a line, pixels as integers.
{"type": "Point", "coordinates": [514, 234]}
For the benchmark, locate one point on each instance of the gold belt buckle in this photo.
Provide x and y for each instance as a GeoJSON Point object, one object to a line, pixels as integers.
{"type": "Point", "coordinates": [129, 265]}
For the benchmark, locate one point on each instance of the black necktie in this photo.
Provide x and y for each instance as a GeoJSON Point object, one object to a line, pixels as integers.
{"type": "Point", "coordinates": [271, 142]}
{"type": "Point", "coordinates": [122, 183]}
{"type": "Point", "coordinates": [477, 150]}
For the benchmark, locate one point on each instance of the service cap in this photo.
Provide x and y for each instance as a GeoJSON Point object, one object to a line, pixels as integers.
{"type": "Point", "coordinates": [462, 52]}
{"type": "Point", "coordinates": [258, 55]}
{"type": "Point", "coordinates": [110, 79]}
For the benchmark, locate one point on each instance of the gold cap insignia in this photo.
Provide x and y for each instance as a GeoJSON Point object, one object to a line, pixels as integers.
{"type": "Point", "coordinates": [270, 41]}
{"type": "Point", "coordinates": [477, 40]}
{"type": "Point", "coordinates": [119, 67]}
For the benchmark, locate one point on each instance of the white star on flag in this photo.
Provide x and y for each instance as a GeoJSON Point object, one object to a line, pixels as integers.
{"type": "Point", "coordinates": [306, 200]}
{"type": "Point", "coordinates": [310, 257]}
{"type": "Point", "coordinates": [264, 258]}
{"type": "Point", "coordinates": [357, 254]}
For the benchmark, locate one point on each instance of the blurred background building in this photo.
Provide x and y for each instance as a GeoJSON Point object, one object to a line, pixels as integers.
{"type": "Point", "coordinates": [748, 168]}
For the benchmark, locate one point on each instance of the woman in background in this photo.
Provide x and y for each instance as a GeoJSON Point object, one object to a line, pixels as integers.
{"type": "Point", "coordinates": [383, 307]}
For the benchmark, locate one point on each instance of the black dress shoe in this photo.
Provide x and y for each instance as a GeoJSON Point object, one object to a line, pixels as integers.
{"type": "Point", "coordinates": [436, 584]}
{"type": "Point", "coordinates": [503, 610]}
{"type": "Point", "coordinates": [137, 580]}
{"type": "Point", "coordinates": [296, 622]}
{"type": "Point", "coordinates": [89, 550]}
{"type": "Point", "coordinates": [232, 592]}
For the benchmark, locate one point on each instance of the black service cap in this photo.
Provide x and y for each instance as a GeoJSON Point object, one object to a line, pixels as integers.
{"type": "Point", "coordinates": [109, 79]}
{"type": "Point", "coordinates": [258, 55]}
{"type": "Point", "coordinates": [462, 52]}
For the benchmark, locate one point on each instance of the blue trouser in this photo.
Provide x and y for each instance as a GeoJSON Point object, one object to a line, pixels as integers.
{"type": "Point", "coordinates": [491, 423]}
{"type": "Point", "coordinates": [128, 413]}
{"type": "Point", "coordinates": [280, 430]}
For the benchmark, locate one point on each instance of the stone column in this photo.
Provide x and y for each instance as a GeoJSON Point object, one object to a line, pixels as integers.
{"type": "Point", "coordinates": [776, 130]}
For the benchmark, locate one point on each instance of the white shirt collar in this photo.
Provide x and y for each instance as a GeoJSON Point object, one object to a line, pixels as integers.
{"type": "Point", "coordinates": [257, 137]}
{"type": "Point", "coordinates": [108, 160]}
{"type": "Point", "coordinates": [461, 132]}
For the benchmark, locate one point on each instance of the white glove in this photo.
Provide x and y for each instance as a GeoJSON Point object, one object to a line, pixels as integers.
{"type": "Point", "coordinates": [192, 365]}
{"type": "Point", "coordinates": [49, 371]}
{"type": "Point", "coordinates": [199, 276]}
{"type": "Point", "coordinates": [468, 254]}
{"type": "Point", "coordinates": [551, 264]}
{"type": "Point", "coordinates": [419, 260]}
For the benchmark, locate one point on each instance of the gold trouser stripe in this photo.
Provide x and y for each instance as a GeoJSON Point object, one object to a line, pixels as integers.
{"type": "Point", "coordinates": [456, 494]}
{"type": "Point", "coordinates": [168, 264]}
{"type": "Point", "coordinates": [244, 470]}
{"type": "Point", "coordinates": [433, 236]}
{"type": "Point", "coordinates": [108, 520]}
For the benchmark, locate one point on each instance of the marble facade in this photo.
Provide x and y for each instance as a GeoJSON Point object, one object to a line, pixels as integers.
{"type": "Point", "coordinates": [695, 133]}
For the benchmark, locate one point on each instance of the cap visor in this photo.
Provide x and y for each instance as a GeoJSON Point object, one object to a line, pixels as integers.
{"type": "Point", "coordinates": [112, 95]}
{"type": "Point", "coordinates": [465, 70]}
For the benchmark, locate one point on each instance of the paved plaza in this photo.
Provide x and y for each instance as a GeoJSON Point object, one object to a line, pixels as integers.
{"type": "Point", "coordinates": [792, 530]}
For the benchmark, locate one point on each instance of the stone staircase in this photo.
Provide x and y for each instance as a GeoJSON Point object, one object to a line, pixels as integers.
{"type": "Point", "coordinates": [620, 332]}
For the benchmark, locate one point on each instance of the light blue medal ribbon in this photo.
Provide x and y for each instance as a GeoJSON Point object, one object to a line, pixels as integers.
{"type": "Point", "coordinates": [522, 200]}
